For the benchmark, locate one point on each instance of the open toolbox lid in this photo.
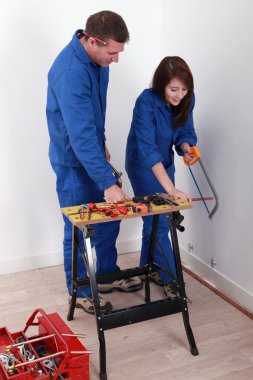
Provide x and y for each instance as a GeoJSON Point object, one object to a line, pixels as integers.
{"type": "Point", "coordinates": [53, 353]}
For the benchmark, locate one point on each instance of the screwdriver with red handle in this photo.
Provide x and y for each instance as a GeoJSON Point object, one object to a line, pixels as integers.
{"type": "Point", "coordinates": [123, 210]}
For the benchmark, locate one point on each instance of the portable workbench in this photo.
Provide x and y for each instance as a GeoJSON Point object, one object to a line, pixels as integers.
{"type": "Point", "coordinates": [149, 309]}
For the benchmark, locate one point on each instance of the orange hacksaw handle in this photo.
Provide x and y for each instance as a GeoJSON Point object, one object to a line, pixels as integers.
{"type": "Point", "coordinates": [195, 151]}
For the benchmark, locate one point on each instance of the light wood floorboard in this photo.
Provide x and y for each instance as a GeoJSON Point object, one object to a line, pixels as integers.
{"type": "Point", "coordinates": [153, 350]}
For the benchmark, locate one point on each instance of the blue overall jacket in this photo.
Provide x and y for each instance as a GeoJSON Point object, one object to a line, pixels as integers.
{"type": "Point", "coordinates": [76, 105]}
{"type": "Point", "coordinates": [151, 138]}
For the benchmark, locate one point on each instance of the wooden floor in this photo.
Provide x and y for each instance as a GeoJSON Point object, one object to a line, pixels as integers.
{"type": "Point", "coordinates": [151, 350]}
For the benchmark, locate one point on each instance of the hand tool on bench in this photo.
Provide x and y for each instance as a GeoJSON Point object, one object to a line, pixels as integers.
{"type": "Point", "coordinates": [171, 200]}
{"type": "Point", "coordinates": [85, 206]}
{"type": "Point", "coordinates": [122, 209]}
{"type": "Point", "coordinates": [108, 211]}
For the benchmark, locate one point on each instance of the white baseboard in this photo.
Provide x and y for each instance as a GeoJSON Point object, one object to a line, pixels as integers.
{"type": "Point", "coordinates": [218, 280]}
{"type": "Point", "coordinates": [129, 246]}
{"type": "Point", "coordinates": [21, 264]}
{"type": "Point", "coordinates": [14, 265]}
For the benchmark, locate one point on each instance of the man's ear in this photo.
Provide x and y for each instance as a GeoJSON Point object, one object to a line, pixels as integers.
{"type": "Point", "coordinates": [91, 41]}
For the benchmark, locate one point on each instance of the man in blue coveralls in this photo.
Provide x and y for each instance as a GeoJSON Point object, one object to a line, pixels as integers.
{"type": "Point", "coordinates": [76, 105]}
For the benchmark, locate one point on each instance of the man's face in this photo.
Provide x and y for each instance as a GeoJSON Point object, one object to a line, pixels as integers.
{"type": "Point", "coordinates": [105, 55]}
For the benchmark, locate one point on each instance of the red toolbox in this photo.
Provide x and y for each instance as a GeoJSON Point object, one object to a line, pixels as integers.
{"type": "Point", "coordinates": [54, 352]}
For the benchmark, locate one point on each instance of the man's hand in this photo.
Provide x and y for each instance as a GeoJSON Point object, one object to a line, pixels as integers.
{"type": "Point", "coordinates": [115, 195]}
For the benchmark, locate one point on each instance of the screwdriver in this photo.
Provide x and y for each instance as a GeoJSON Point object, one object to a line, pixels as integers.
{"type": "Point", "coordinates": [123, 210]}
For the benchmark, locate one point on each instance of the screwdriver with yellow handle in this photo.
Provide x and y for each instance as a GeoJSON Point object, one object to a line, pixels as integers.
{"type": "Point", "coordinates": [194, 150]}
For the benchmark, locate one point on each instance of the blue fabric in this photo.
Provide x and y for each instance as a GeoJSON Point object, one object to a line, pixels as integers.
{"type": "Point", "coordinates": [146, 186]}
{"type": "Point", "coordinates": [151, 140]}
{"type": "Point", "coordinates": [76, 104]}
{"type": "Point", "coordinates": [74, 187]}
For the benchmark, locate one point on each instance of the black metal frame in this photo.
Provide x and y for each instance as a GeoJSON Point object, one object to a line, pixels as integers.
{"type": "Point", "coordinates": [139, 313]}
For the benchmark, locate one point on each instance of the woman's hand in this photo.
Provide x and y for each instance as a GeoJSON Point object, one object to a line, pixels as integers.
{"type": "Point", "coordinates": [188, 156]}
{"type": "Point", "coordinates": [178, 194]}
{"type": "Point", "coordinates": [165, 181]}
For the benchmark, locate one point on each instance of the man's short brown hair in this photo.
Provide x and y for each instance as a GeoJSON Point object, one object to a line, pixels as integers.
{"type": "Point", "coordinates": [107, 25]}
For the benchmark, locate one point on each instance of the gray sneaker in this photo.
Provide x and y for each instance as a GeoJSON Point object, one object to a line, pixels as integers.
{"type": "Point", "coordinates": [88, 306]}
{"type": "Point", "coordinates": [171, 291]}
{"type": "Point", "coordinates": [124, 285]}
{"type": "Point", "coordinates": [156, 278]}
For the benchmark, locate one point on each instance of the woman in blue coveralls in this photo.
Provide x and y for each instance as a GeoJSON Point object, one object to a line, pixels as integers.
{"type": "Point", "coordinates": [162, 118]}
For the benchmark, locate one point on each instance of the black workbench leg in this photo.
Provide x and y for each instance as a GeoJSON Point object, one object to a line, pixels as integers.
{"type": "Point", "coordinates": [151, 252]}
{"type": "Point", "coordinates": [180, 278]}
{"type": "Point", "coordinates": [95, 296]}
{"type": "Point", "coordinates": [189, 333]}
{"type": "Point", "coordinates": [72, 303]}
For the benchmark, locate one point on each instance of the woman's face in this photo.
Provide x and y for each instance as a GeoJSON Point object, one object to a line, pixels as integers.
{"type": "Point", "coordinates": [175, 91]}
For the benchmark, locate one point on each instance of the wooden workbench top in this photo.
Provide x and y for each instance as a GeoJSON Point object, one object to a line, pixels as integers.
{"type": "Point", "coordinates": [72, 213]}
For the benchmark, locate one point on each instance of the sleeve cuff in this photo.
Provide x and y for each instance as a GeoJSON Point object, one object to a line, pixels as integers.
{"type": "Point", "coordinates": [152, 159]}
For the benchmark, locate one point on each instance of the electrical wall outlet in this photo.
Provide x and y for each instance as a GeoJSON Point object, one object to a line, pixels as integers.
{"type": "Point", "coordinates": [212, 263]}
{"type": "Point", "coordinates": [190, 247]}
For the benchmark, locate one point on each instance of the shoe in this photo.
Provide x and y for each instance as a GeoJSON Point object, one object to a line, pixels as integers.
{"type": "Point", "coordinates": [170, 290]}
{"type": "Point", "coordinates": [156, 278]}
{"type": "Point", "coordinates": [88, 306]}
{"type": "Point", "coordinates": [124, 285]}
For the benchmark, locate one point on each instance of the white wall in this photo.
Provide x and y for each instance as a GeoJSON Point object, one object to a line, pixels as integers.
{"type": "Point", "coordinates": [215, 37]}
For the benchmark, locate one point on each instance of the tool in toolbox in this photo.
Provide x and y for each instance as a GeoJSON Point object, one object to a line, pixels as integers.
{"type": "Point", "coordinates": [54, 353]}
{"type": "Point", "coordinates": [196, 153]}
